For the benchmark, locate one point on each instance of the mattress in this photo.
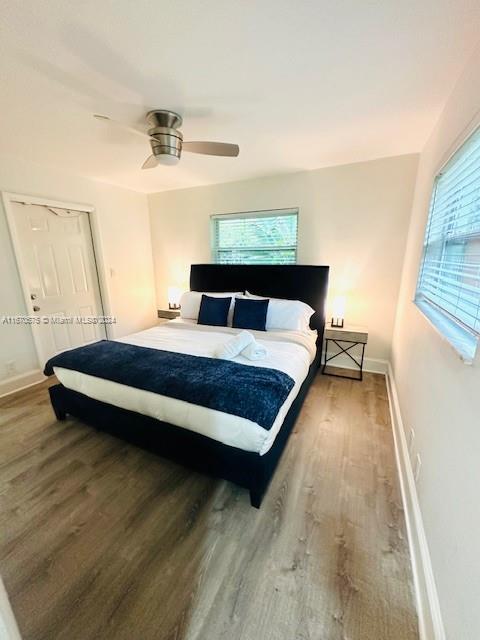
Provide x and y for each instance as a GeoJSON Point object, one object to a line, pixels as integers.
{"type": "Point", "coordinates": [289, 351]}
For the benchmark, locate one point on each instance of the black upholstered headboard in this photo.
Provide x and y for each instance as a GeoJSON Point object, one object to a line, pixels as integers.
{"type": "Point", "coordinates": [295, 282]}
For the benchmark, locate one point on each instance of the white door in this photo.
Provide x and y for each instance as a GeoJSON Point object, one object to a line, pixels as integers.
{"type": "Point", "coordinates": [59, 273]}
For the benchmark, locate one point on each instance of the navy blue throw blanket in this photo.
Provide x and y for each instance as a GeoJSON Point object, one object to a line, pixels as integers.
{"type": "Point", "coordinates": [255, 393]}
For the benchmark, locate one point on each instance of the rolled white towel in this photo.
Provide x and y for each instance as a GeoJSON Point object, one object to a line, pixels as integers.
{"type": "Point", "coordinates": [255, 351]}
{"type": "Point", "coordinates": [234, 346]}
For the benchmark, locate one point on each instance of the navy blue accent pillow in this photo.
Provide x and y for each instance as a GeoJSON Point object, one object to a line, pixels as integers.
{"type": "Point", "coordinates": [214, 311]}
{"type": "Point", "coordinates": [250, 314]}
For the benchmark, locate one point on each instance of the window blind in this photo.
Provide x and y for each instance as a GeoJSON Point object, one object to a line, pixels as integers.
{"type": "Point", "coordinates": [256, 237]}
{"type": "Point", "coordinates": [449, 275]}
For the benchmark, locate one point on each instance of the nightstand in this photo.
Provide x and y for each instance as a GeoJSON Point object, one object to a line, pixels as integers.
{"type": "Point", "coordinates": [348, 335]}
{"type": "Point", "coordinates": [168, 314]}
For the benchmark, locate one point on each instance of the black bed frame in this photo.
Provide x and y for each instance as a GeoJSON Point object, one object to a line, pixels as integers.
{"type": "Point", "coordinates": [247, 469]}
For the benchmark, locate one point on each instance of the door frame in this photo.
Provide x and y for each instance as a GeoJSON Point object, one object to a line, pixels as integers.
{"type": "Point", "coordinates": [9, 199]}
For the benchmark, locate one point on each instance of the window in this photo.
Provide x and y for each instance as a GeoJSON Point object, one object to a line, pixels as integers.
{"type": "Point", "coordinates": [256, 237]}
{"type": "Point", "coordinates": [448, 289]}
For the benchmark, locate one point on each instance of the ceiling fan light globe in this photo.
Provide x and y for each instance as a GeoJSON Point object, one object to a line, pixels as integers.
{"type": "Point", "coordinates": [167, 159]}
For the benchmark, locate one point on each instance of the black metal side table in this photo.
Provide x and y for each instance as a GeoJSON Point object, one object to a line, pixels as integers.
{"type": "Point", "coordinates": [351, 336]}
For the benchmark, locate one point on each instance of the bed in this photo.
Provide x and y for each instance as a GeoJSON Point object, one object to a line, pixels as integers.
{"type": "Point", "coordinates": [233, 447]}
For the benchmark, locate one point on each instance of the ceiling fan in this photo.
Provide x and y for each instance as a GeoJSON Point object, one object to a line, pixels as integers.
{"type": "Point", "coordinates": [166, 139]}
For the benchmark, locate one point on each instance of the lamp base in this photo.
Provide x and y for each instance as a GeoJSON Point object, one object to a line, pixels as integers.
{"type": "Point", "coordinates": [337, 323]}
{"type": "Point", "coordinates": [173, 306]}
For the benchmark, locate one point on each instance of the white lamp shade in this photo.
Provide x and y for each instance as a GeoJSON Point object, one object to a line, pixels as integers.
{"type": "Point", "coordinates": [338, 306]}
{"type": "Point", "coordinates": [174, 295]}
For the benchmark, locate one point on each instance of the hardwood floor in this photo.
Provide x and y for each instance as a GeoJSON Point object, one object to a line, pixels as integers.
{"type": "Point", "coordinates": [100, 540]}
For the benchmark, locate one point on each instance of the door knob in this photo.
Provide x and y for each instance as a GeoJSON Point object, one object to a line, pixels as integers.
{"type": "Point", "coordinates": [35, 308]}
{"type": "Point", "coordinates": [33, 296]}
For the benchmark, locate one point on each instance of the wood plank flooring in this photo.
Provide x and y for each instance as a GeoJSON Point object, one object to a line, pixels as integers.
{"type": "Point", "coordinates": [101, 540]}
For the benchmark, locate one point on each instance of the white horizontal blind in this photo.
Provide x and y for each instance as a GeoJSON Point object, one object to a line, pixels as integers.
{"type": "Point", "coordinates": [450, 271]}
{"type": "Point", "coordinates": [268, 237]}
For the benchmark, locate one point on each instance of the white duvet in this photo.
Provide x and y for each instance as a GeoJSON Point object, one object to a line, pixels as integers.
{"type": "Point", "coordinates": [288, 351]}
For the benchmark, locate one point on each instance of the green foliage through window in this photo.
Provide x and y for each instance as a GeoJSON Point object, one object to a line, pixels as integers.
{"type": "Point", "coordinates": [256, 237]}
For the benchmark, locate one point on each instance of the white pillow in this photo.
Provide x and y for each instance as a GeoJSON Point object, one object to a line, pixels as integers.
{"type": "Point", "coordinates": [292, 315]}
{"type": "Point", "coordinates": [190, 303]}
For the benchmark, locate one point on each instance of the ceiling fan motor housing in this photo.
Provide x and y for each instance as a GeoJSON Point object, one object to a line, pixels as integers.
{"type": "Point", "coordinates": [166, 139]}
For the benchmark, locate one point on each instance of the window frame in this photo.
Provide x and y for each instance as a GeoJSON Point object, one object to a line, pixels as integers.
{"type": "Point", "coordinates": [262, 213]}
{"type": "Point", "coordinates": [461, 338]}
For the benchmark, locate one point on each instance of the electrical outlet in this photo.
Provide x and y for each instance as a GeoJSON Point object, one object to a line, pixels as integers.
{"type": "Point", "coordinates": [418, 464]}
{"type": "Point", "coordinates": [411, 440]}
{"type": "Point", "coordinates": [10, 368]}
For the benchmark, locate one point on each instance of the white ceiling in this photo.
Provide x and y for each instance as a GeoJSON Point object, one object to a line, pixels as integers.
{"type": "Point", "coordinates": [299, 84]}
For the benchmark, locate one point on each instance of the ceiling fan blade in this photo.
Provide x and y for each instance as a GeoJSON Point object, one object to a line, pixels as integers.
{"type": "Point", "coordinates": [212, 148]}
{"type": "Point", "coordinates": [150, 162]}
{"type": "Point", "coordinates": [125, 127]}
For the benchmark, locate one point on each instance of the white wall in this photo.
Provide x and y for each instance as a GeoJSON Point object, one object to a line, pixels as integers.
{"type": "Point", "coordinates": [352, 217]}
{"type": "Point", "coordinates": [122, 225]}
{"type": "Point", "coordinates": [440, 398]}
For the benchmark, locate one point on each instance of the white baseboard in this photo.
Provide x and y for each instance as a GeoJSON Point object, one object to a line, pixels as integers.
{"type": "Point", "coordinates": [428, 607]}
{"type": "Point", "coordinates": [373, 365]}
{"type": "Point", "coordinates": [8, 625]}
{"type": "Point", "coordinates": [22, 381]}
